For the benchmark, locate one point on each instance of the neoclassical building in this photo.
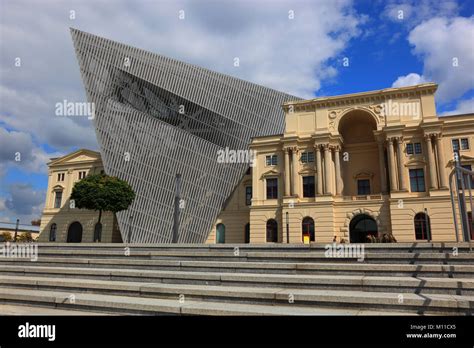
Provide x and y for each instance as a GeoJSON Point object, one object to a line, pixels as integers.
{"type": "Point", "coordinates": [61, 221]}
{"type": "Point", "coordinates": [372, 163]}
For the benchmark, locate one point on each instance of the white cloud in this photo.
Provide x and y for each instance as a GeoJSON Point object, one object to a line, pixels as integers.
{"type": "Point", "coordinates": [412, 12]}
{"type": "Point", "coordinates": [463, 107]}
{"type": "Point", "coordinates": [23, 202]}
{"type": "Point", "coordinates": [445, 46]}
{"type": "Point", "coordinates": [408, 80]}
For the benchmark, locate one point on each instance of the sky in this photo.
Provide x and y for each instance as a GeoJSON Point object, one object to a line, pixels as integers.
{"type": "Point", "coordinates": [306, 48]}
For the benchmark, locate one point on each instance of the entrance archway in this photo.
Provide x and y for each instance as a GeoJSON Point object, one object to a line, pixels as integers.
{"type": "Point", "coordinates": [272, 231]}
{"type": "Point", "coordinates": [360, 227]}
{"type": "Point", "coordinates": [74, 232]}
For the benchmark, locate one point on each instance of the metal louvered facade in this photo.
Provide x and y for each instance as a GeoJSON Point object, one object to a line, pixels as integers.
{"type": "Point", "coordinates": [156, 117]}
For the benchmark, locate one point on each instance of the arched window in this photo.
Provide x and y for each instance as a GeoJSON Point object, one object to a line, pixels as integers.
{"type": "Point", "coordinates": [247, 233]}
{"type": "Point", "coordinates": [98, 232]}
{"type": "Point", "coordinates": [52, 232]}
{"type": "Point", "coordinates": [272, 231]}
{"type": "Point", "coordinates": [422, 226]}
{"type": "Point", "coordinates": [307, 228]}
{"type": "Point", "coordinates": [220, 233]}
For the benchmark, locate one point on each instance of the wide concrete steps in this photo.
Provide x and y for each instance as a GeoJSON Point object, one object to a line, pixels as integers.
{"type": "Point", "coordinates": [420, 285]}
{"type": "Point", "coordinates": [149, 298]}
{"type": "Point", "coordinates": [355, 268]}
{"type": "Point", "coordinates": [417, 279]}
{"type": "Point", "coordinates": [373, 256]}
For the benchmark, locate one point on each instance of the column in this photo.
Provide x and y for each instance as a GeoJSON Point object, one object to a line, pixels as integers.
{"type": "Point", "coordinates": [391, 166]}
{"type": "Point", "coordinates": [383, 175]}
{"type": "Point", "coordinates": [319, 172]}
{"type": "Point", "coordinates": [401, 167]}
{"type": "Point", "coordinates": [327, 169]}
{"type": "Point", "coordinates": [294, 162]}
{"type": "Point", "coordinates": [431, 160]}
{"type": "Point", "coordinates": [441, 172]}
{"type": "Point", "coordinates": [338, 170]}
{"type": "Point", "coordinates": [287, 172]}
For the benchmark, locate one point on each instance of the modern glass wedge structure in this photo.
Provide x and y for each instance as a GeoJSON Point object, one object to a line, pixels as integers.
{"type": "Point", "coordinates": [156, 117]}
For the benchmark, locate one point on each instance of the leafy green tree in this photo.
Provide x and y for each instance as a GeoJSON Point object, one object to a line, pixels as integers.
{"type": "Point", "coordinates": [7, 237]}
{"type": "Point", "coordinates": [24, 238]}
{"type": "Point", "coordinates": [103, 193]}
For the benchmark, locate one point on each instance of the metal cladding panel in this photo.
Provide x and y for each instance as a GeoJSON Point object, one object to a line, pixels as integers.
{"type": "Point", "coordinates": [156, 117]}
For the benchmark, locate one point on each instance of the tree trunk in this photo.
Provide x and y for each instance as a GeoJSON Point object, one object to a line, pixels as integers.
{"type": "Point", "coordinates": [100, 215]}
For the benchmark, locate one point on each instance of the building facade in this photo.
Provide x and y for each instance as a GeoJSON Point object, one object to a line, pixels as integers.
{"type": "Point", "coordinates": [61, 221]}
{"type": "Point", "coordinates": [350, 167]}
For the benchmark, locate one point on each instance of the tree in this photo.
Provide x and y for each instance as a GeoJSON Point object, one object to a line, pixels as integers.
{"type": "Point", "coordinates": [25, 238]}
{"type": "Point", "coordinates": [103, 193]}
{"type": "Point", "coordinates": [36, 222]}
{"type": "Point", "coordinates": [7, 237]}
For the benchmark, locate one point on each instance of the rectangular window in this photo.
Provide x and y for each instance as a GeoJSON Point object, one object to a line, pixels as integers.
{"type": "Point", "coordinates": [418, 148]}
{"type": "Point", "coordinates": [307, 157]}
{"type": "Point", "coordinates": [82, 175]}
{"type": "Point", "coordinates": [57, 199]}
{"type": "Point", "coordinates": [272, 188]}
{"type": "Point", "coordinates": [248, 195]}
{"type": "Point", "coordinates": [271, 160]}
{"type": "Point", "coordinates": [464, 144]}
{"type": "Point", "coordinates": [417, 180]}
{"type": "Point", "coordinates": [409, 149]}
{"type": "Point", "coordinates": [363, 187]}
{"type": "Point", "coordinates": [308, 186]}
{"type": "Point", "coordinates": [60, 176]}
{"type": "Point", "coordinates": [455, 143]}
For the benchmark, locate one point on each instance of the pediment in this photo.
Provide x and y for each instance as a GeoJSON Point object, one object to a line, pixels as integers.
{"type": "Point", "coordinates": [416, 162]}
{"type": "Point", "coordinates": [271, 172]}
{"type": "Point", "coordinates": [79, 156]}
{"type": "Point", "coordinates": [364, 174]}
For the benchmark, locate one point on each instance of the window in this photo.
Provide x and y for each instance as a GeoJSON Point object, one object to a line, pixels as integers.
{"type": "Point", "coordinates": [363, 187]}
{"type": "Point", "coordinates": [271, 160]}
{"type": "Point", "coordinates": [307, 227]}
{"type": "Point", "coordinates": [82, 175]}
{"type": "Point", "coordinates": [272, 231]}
{"type": "Point", "coordinates": [52, 232]}
{"type": "Point", "coordinates": [414, 148]}
{"type": "Point", "coordinates": [308, 186]}
{"type": "Point", "coordinates": [272, 188]}
{"type": "Point", "coordinates": [464, 144]}
{"type": "Point", "coordinates": [60, 176]}
{"type": "Point", "coordinates": [417, 180]}
{"type": "Point", "coordinates": [455, 143]}
{"type": "Point", "coordinates": [57, 199]}
{"type": "Point", "coordinates": [248, 195]}
{"type": "Point", "coordinates": [418, 148]}
{"type": "Point", "coordinates": [307, 157]}
{"type": "Point", "coordinates": [422, 226]}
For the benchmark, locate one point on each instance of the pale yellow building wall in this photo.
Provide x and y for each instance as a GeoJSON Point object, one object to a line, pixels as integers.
{"type": "Point", "coordinates": [71, 165]}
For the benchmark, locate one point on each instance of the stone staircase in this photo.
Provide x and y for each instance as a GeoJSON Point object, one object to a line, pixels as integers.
{"type": "Point", "coordinates": [396, 279]}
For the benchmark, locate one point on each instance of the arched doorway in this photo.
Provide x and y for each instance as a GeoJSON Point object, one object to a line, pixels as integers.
{"type": "Point", "coordinates": [360, 227]}
{"type": "Point", "coordinates": [52, 232]}
{"type": "Point", "coordinates": [74, 232]}
{"type": "Point", "coordinates": [307, 229]}
{"type": "Point", "coordinates": [272, 231]}
{"type": "Point", "coordinates": [422, 226]}
{"type": "Point", "coordinates": [220, 234]}
{"type": "Point", "coordinates": [247, 233]}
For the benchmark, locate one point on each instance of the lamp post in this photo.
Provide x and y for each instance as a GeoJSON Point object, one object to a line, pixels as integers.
{"type": "Point", "coordinates": [129, 229]}
{"type": "Point", "coordinates": [16, 229]}
{"type": "Point", "coordinates": [177, 199]}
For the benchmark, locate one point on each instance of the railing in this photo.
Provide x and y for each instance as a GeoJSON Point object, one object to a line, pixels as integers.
{"type": "Point", "coordinates": [462, 184]}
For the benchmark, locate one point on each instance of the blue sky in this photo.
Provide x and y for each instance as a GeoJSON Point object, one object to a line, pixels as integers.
{"type": "Point", "coordinates": [387, 43]}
